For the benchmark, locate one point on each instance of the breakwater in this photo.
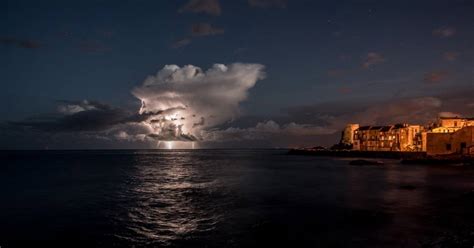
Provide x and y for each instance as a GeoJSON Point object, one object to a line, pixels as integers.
{"type": "Point", "coordinates": [359, 154]}
{"type": "Point", "coordinates": [404, 157]}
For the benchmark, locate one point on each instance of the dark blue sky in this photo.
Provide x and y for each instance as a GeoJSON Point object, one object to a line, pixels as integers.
{"type": "Point", "coordinates": [313, 51]}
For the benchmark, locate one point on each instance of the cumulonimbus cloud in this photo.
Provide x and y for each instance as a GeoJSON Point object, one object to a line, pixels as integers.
{"type": "Point", "coordinates": [178, 104]}
{"type": "Point", "coordinates": [182, 101]}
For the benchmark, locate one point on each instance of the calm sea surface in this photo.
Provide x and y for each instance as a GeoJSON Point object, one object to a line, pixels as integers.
{"type": "Point", "coordinates": [229, 198]}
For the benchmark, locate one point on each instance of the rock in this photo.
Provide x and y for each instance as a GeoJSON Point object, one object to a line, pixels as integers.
{"type": "Point", "coordinates": [365, 162]}
{"type": "Point", "coordinates": [408, 187]}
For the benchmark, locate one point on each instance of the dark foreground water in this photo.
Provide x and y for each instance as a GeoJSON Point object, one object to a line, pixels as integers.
{"type": "Point", "coordinates": [229, 198]}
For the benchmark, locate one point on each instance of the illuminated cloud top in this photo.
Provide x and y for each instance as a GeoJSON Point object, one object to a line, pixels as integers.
{"type": "Point", "coordinates": [181, 101]}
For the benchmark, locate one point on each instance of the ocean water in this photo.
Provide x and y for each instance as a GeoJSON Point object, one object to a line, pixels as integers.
{"type": "Point", "coordinates": [229, 198]}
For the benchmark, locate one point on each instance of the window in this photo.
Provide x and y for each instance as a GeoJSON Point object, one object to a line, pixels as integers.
{"type": "Point", "coordinates": [455, 123]}
{"type": "Point", "coordinates": [448, 147]}
{"type": "Point", "coordinates": [463, 145]}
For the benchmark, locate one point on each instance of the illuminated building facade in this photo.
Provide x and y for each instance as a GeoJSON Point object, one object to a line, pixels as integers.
{"type": "Point", "coordinates": [399, 137]}
{"type": "Point", "coordinates": [453, 135]}
{"type": "Point", "coordinates": [450, 136]}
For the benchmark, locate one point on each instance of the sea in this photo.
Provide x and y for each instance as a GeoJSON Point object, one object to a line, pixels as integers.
{"type": "Point", "coordinates": [229, 198]}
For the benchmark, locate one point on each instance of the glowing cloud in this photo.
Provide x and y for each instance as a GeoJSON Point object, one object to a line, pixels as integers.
{"type": "Point", "coordinates": [180, 102]}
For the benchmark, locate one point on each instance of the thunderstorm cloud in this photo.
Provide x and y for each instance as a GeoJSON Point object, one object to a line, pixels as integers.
{"type": "Point", "coordinates": [183, 101]}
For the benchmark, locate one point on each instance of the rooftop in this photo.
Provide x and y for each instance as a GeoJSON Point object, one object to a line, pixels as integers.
{"type": "Point", "coordinates": [458, 118]}
{"type": "Point", "coordinates": [382, 128]}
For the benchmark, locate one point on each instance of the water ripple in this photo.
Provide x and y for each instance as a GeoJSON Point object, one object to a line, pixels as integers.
{"type": "Point", "coordinates": [168, 201]}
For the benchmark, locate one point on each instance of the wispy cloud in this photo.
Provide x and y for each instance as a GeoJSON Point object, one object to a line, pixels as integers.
{"type": "Point", "coordinates": [444, 32]}
{"type": "Point", "coordinates": [435, 76]}
{"type": "Point", "coordinates": [344, 90]}
{"type": "Point", "coordinates": [197, 30]}
{"type": "Point", "coordinates": [181, 43]}
{"type": "Point", "coordinates": [451, 56]}
{"type": "Point", "coordinates": [30, 44]}
{"type": "Point", "coordinates": [211, 7]}
{"type": "Point", "coordinates": [205, 29]}
{"type": "Point", "coordinates": [267, 3]}
{"type": "Point", "coordinates": [93, 46]}
{"type": "Point", "coordinates": [371, 59]}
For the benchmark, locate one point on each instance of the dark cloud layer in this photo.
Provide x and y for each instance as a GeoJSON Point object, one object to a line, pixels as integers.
{"type": "Point", "coordinates": [94, 123]}
{"type": "Point", "coordinates": [80, 116]}
{"type": "Point", "coordinates": [321, 123]}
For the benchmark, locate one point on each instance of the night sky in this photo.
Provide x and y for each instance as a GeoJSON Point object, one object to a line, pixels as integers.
{"type": "Point", "coordinates": [74, 72]}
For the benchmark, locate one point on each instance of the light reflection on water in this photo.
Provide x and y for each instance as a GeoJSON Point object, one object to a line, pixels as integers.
{"type": "Point", "coordinates": [166, 204]}
{"type": "Point", "coordinates": [229, 198]}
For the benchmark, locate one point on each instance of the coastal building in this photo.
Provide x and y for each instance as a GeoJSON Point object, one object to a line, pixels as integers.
{"type": "Point", "coordinates": [451, 124]}
{"type": "Point", "coordinates": [453, 135]}
{"type": "Point", "coordinates": [458, 142]}
{"type": "Point", "coordinates": [399, 137]}
{"type": "Point", "coordinates": [347, 137]}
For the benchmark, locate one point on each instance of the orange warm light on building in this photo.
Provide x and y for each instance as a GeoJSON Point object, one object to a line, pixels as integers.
{"type": "Point", "coordinates": [453, 135]}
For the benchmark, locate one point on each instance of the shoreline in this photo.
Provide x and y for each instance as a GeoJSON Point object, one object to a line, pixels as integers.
{"type": "Point", "coordinates": [404, 157]}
